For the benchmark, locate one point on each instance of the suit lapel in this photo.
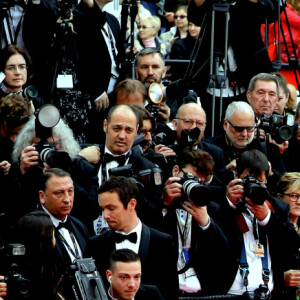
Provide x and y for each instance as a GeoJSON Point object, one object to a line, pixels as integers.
{"type": "Point", "coordinates": [144, 243]}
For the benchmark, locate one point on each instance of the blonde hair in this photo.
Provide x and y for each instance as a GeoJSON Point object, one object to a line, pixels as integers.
{"type": "Point", "coordinates": [289, 181]}
{"type": "Point", "coordinates": [155, 21]}
{"type": "Point", "coordinates": [292, 102]}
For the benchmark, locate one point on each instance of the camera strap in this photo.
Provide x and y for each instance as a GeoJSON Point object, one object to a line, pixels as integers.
{"type": "Point", "coordinates": [261, 250]}
{"type": "Point", "coordinates": [184, 231]}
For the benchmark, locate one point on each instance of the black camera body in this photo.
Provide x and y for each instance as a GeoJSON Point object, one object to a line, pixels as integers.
{"type": "Point", "coordinates": [259, 294]}
{"type": "Point", "coordinates": [279, 127]}
{"type": "Point", "coordinates": [193, 188]}
{"type": "Point", "coordinates": [153, 109]}
{"type": "Point", "coordinates": [253, 190]}
{"type": "Point", "coordinates": [82, 281]}
{"type": "Point", "coordinates": [146, 176]}
{"type": "Point", "coordinates": [18, 286]}
{"type": "Point", "coordinates": [188, 138]}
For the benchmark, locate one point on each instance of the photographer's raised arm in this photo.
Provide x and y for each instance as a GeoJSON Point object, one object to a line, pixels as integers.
{"type": "Point", "coordinates": [234, 191]}
{"type": "Point", "coordinates": [29, 157]}
{"type": "Point", "coordinates": [171, 191]}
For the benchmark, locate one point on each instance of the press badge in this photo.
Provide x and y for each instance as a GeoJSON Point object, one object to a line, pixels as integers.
{"type": "Point", "coordinates": [258, 249]}
{"type": "Point", "coordinates": [64, 81]}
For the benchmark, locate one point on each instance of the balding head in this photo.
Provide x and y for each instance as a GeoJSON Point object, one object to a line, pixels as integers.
{"type": "Point", "coordinates": [120, 128]}
{"type": "Point", "coordinates": [188, 117]}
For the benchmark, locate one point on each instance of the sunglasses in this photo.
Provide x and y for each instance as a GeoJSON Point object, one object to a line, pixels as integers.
{"type": "Point", "coordinates": [179, 17]}
{"type": "Point", "coordinates": [242, 128]}
{"type": "Point", "coordinates": [144, 27]}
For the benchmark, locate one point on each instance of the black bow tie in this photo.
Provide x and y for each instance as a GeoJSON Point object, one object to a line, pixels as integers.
{"type": "Point", "coordinates": [119, 238]}
{"type": "Point", "coordinates": [66, 225]}
{"type": "Point", "coordinates": [120, 158]}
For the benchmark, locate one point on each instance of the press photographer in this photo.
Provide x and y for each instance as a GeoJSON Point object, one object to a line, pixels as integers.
{"type": "Point", "coordinates": [257, 230]}
{"type": "Point", "coordinates": [14, 267]}
{"type": "Point", "coordinates": [63, 151]}
{"type": "Point", "coordinates": [189, 214]}
{"type": "Point", "coordinates": [150, 68]}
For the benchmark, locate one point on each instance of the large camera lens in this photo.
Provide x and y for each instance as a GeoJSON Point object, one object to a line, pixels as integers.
{"type": "Point", "coordinates": [198, 193]}
{"type": "Point", "coordinates": [56, 158]}
{"type": "Point", "coordinates": [256, 193]}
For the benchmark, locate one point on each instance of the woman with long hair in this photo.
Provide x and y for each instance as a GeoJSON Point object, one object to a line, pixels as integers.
{"type": "Point", "coordinates": [36, 232]}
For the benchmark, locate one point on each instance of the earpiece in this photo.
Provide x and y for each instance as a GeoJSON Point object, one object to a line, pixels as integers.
{"type": "Point", "coordinates": [109, 279]}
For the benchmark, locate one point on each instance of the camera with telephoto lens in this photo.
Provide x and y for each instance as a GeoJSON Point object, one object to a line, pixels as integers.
{"type": "Point", "coordinates": [253, 190]}
{"type": "Point", "coordinates": [82, 281]}
{"type": "Point", "coordinates": [144, 177]}
{"type": "Point", "coordinates": [258, 294]}
{"type": "Point", "coordinates": [18, 286]}
{"type": "Point", "coordinates": [279, 127]}
{"type": "Point", "coordinates": [194, 189]}
{"type": "Point", "coordinates": [46, 118]}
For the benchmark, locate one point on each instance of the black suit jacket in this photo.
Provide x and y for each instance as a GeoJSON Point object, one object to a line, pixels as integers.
{"type": "Point", "coordinates": [283, 242]}
{"type": "Point", "coordinates": [205, 257]}
{"type": "Point", "coordinates": [94, 58]}
{"type": "Point", "coordinates": [148, 292]}
{"type": "Point", "coordinates": [157, 254]}
{"type": "Point", "coordinates": [82, 236]}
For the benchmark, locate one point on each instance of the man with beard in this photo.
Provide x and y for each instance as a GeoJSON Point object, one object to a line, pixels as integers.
{"type": "Point", "coordinates": [150, 67]}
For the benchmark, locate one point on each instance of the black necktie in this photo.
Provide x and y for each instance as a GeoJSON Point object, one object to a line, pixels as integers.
{"type": "Point", "coordinates": [120, 159]}
{"type": "Point", "coordinates": [119, 238]}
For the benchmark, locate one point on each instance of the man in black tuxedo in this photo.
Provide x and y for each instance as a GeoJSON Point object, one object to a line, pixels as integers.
{"type": "Point", "coordinates": [118, 198]}
{"type": "Point", "coordinates": [121, 129]}
{"type": "Point", "coordinates": [124, 275]}
{"type": "Point", "coordinates": [56, 197]}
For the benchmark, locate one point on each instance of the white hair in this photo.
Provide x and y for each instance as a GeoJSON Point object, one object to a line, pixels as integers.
{"type": "Point", "coordinates": [62, 130]}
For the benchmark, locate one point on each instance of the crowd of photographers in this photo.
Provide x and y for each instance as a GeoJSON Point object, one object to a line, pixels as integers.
{"type": "Point", "coordinates": [103, 161]}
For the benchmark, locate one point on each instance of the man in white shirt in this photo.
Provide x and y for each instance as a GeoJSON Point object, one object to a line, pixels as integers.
{"type": "Point", "coordinates": [118, 198]}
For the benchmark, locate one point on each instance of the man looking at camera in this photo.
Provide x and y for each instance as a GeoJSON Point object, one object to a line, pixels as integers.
{"type": "Point", "coordinates": [124, 276]}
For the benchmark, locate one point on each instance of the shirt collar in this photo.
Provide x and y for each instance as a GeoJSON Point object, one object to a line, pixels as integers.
{"type": "Point", "coordinates": [54, 220]}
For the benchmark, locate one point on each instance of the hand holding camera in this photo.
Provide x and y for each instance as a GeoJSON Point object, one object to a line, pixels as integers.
{"type": "Point", "coordinates": [29, 157]}
{"type": "Point", "coordinates": [172, 190]}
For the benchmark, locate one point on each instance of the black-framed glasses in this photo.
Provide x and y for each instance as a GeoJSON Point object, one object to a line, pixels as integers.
{"type": "Point", "coordinates": [180, 17]}
{"type": "Point", "coordinates": [144, 26]}
{"type": "Point", "coordinates": [189, 122]}
{"type": "Point", "coordinates": [294, 197]}
{"type": "Point", "coordinates": [242, 128]}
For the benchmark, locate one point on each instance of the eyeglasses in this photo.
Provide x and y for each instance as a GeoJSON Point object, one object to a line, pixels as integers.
{"type": "Point", "coordinates": [179, 17]}
{"type": "Point", "coordinates": [189, 122]}
{"type": "Point", "coordinates": [144, 26]}
{"type": "Point", "coordinates": [242, 128]}
{"type": "Point", "coordinates": [12, 68]}
{"type": "Point", "coordinates": [294, 197]}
